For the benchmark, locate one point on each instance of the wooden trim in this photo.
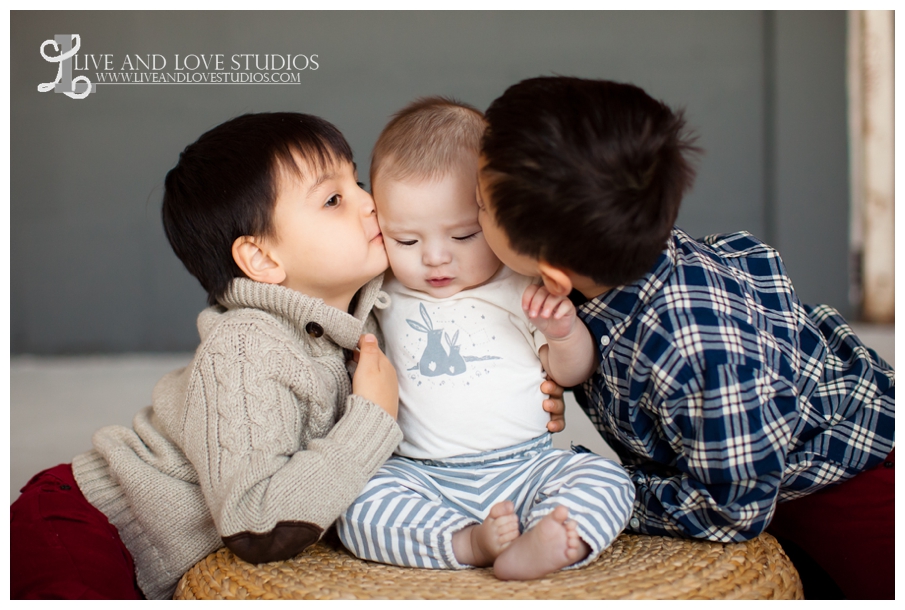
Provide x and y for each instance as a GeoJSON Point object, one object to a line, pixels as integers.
{"type": "Point", "coordinates": [872, 136]}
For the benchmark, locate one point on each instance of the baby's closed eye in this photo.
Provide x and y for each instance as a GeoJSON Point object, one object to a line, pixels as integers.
{"type": "Point", "coordinates": [467, 237]}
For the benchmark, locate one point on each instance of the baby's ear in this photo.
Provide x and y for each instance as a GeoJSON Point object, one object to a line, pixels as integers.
{"type": "Point", "coordinates": [557, 281]}
{"type": "Point", "coordinates": [256, 261]}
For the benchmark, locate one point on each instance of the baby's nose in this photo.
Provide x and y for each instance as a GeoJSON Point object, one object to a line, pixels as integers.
{"type": "Point", "coordinates": [436, 256]}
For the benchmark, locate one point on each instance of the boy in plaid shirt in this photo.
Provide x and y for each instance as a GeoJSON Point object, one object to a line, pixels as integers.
{"type": "Point", "coordinates": [735, 408]}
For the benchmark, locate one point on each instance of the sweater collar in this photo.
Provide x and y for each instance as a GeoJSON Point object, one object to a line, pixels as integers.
{"type": "Point", "coordinates": [298, 309]}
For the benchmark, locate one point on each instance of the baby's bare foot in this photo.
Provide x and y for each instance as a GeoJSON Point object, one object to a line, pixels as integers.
{"type": "Point", "coordinates": [549, 546]}
{"type": "Point", "coordinates": [479, 545]}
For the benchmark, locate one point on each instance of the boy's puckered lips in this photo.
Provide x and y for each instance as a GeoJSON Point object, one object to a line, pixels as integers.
{"type": "Point", "coordinates": [439, 282]}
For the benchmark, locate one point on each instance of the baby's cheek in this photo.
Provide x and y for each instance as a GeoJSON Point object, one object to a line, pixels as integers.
{"type": "Point", "coordinates": [403, 267]}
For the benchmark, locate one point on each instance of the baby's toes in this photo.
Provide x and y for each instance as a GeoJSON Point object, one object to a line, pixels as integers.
{"type": "Point", "coordinates": [575, 549]}
{"type": "Point", "coordinates": [509, 521]}
{"type": "Point", "coordinates": [506, 526]}
{"type": "Point", "coordinates": [507, 534]}
{"type": "Point", "coordinates": [501, 509]}
{"type": "Point", "coordinates": [572, 538]}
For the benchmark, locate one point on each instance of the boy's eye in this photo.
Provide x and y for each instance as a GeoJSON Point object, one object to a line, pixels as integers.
{"type": "Point", "coordinates": [467, 237]}
{"type": "Point", "coordinates": [332, 202]}
{"type": "Point", "coordinates": [409, 242]}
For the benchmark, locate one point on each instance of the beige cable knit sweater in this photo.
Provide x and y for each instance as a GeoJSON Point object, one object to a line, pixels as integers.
{"type": "Point", "coordinates": [258, 444]}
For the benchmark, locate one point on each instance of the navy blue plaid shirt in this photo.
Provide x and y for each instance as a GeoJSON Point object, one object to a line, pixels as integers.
{"type": "Point", "coordinates": [723, 394]}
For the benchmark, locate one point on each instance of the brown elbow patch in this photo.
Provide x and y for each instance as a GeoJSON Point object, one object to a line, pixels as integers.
{"type": "Point", "coordinates": [286, 540]}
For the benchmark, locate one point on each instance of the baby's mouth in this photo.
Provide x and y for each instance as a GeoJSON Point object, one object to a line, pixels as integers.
{"type": "Point", "coordinates": [439, 282]}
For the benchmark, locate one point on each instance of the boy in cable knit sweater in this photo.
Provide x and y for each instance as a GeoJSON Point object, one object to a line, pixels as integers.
{"type": "Point", "coordinates": [263, 440]}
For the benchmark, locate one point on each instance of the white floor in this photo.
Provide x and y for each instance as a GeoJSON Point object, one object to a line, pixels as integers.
{"type": "Point", "coordinates": [56, 403]}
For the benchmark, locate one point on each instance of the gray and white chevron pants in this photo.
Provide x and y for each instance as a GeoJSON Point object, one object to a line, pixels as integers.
{"type": "Point", "coordinates": [410, 509]}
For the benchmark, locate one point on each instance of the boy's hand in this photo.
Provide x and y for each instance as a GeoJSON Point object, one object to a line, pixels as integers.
{"type": "Point", "coordinates": [375, 378]}
{"type": "Point", "coordinates": [552, 315]}
{"type": "Point", "coordinates": [555, 405]}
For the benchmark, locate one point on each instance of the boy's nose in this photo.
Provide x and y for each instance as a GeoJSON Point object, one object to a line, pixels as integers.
{"type": "Point", "coordinates": [367, 204]}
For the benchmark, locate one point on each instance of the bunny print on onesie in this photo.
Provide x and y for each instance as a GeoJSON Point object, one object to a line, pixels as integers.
{"type": "Point", "coordinates": [476, 343]}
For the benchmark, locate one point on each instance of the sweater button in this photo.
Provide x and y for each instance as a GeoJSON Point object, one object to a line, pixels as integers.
{"type": "Point", "coordinates": [314, 329]}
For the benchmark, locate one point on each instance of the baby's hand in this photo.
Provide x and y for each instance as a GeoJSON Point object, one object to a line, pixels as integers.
{"type": "Point", "coordinates": [552, 315]}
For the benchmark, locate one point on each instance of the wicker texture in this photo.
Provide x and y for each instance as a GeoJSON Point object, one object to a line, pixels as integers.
{"type": "Point", "coordinates": [634, 567]}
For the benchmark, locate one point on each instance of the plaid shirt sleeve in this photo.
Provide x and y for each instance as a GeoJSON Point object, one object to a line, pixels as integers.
{"type": "Point", "coordinates": [731, 427]}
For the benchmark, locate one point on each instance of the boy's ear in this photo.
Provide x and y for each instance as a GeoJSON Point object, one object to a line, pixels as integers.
{"type": "Point", "coordinates": [256, 262]}
{"type": "Point", "coordinates": [557, 281]}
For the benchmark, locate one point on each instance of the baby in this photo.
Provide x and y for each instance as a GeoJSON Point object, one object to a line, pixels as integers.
{"type": "Point", "coordinates": [475, 481]}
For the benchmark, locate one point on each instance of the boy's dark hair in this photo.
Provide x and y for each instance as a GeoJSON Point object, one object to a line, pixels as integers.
{"type": "Point", "coordinates": [225, 186]}
{"type": "Point", "coordinates": [586, 174]}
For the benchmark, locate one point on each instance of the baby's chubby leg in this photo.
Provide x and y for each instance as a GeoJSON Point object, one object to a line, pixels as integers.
{"type": "Point", "coordinates": [549, 546]}
{"type": "Point", "coordinates": [479, 545]}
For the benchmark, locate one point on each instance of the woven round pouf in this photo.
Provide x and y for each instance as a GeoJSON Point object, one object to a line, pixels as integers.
{"type": "Point", "coordinates": [634, 567]}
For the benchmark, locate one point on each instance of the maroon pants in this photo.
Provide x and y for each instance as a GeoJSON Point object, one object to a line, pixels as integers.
{"type": "Point", "coordinates": [61, 547]}
{"type": "Point", "coordinates": [848, 530]}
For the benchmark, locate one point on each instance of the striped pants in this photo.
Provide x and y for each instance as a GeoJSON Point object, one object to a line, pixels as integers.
{"type": "Point", "coordinates": [409, 511]}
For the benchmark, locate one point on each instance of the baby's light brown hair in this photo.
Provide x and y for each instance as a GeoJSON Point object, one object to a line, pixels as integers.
{"type": "Point", "coordinates": [427, 140]}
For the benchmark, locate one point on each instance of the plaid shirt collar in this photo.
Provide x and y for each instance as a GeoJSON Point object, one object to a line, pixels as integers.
{"type": "Point", "coordinates": [616, 307]}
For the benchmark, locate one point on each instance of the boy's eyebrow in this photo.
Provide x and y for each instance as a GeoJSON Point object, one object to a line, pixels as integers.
{"type": "Point", "coordinates": [320, 180]}
{"type": "Point", "coordinates": [327, 176]}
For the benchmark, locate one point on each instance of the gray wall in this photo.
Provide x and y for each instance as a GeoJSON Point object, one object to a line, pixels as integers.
{"type": "Point", "coordinates": [90, 267]}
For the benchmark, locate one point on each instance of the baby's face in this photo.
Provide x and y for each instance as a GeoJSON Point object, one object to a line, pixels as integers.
{"type": "Point", "coordinates": [433, 239]}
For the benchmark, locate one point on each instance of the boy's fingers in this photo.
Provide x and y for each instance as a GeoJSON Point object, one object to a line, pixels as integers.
{"type": "Point", "coordinates": [552, 389]}
{"type": "Point", "coordinates": [371, 355]}
{"type": "Point", "coordinates": [555, 406]}
{"type": "Point", "coordinates": [557, 410]}
{"type": "Point", "coordinates": [367, 347]}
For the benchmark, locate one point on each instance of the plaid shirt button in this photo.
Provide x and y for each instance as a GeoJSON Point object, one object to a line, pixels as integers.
{"type": "Point", "coordinates": [604, 341]}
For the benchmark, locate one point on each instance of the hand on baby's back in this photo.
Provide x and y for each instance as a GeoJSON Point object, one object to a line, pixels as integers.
{"type": "Point", "coordinates": [375, 378]}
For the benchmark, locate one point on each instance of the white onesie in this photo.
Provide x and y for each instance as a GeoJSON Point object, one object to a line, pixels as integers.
{"type": "Point", "coordinates": [468, 368]}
